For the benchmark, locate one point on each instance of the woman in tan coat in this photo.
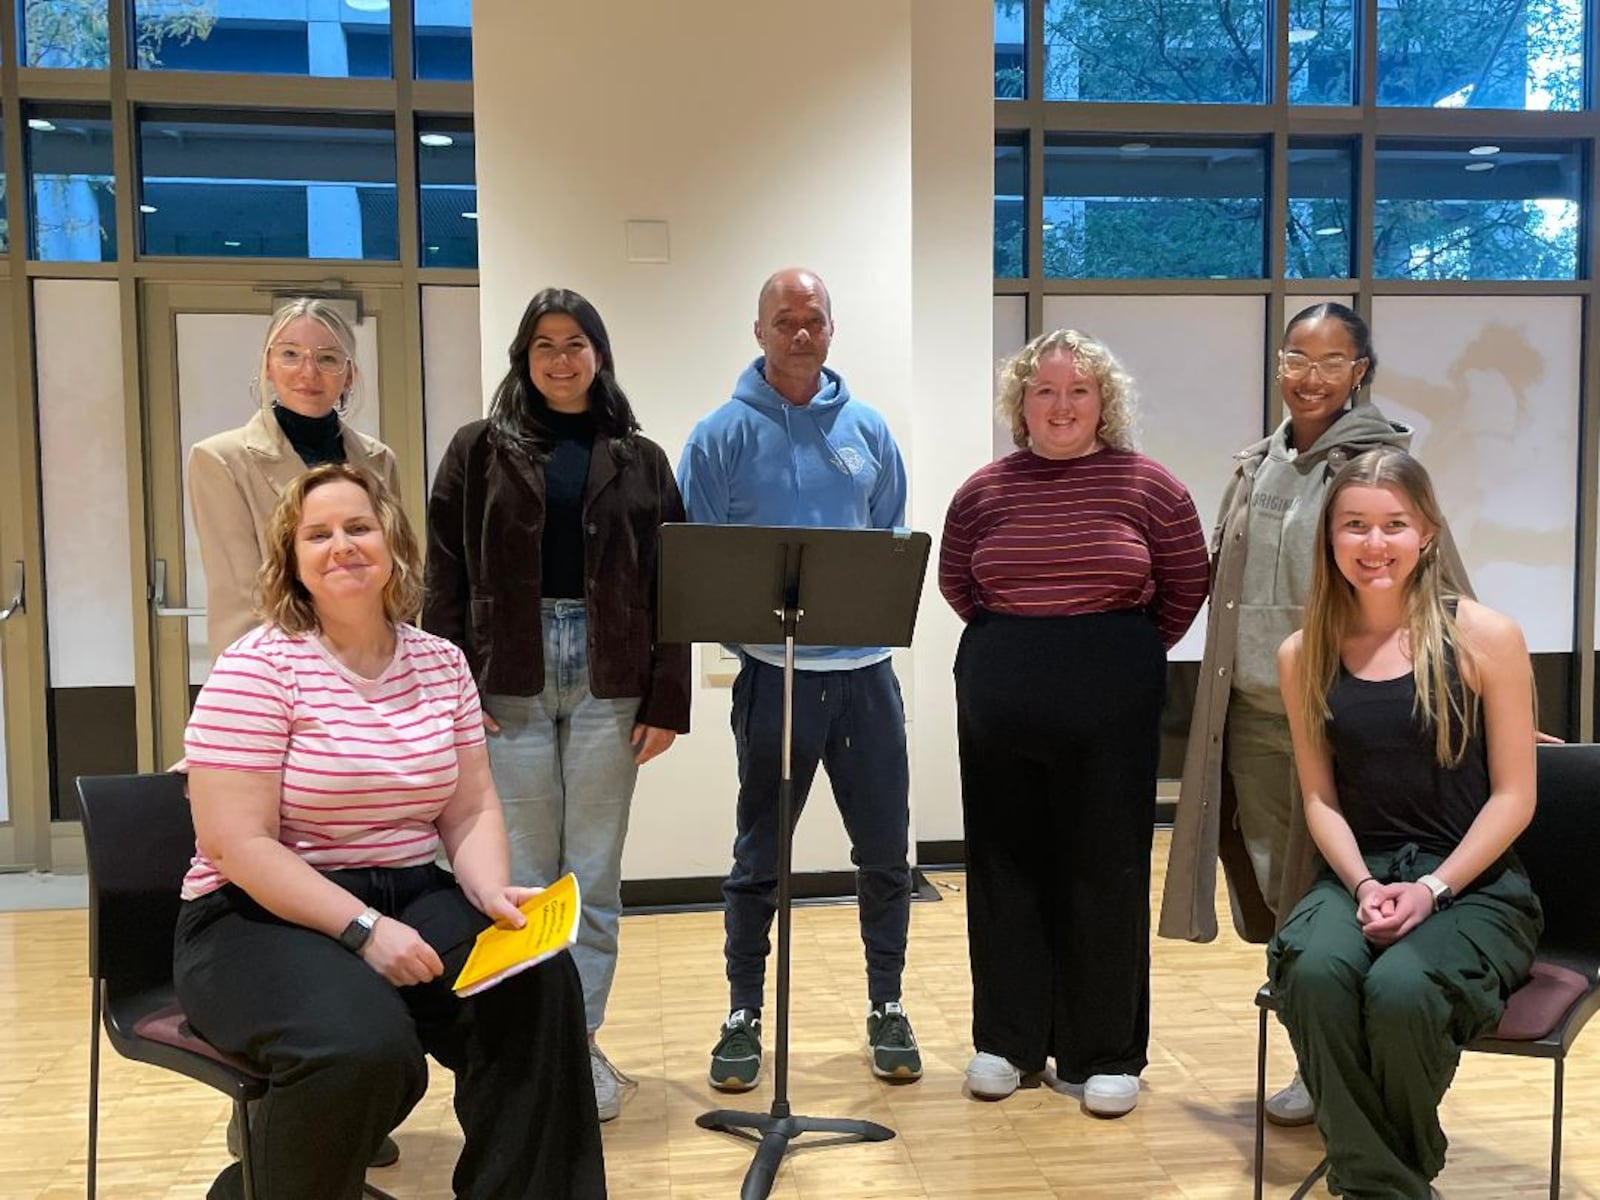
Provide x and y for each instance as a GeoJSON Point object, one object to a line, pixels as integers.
{"type": "Point", "coordinates": [307, 377]}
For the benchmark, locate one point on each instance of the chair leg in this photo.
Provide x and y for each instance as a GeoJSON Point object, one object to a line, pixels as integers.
{"type": "Point", "coordinates": [1310, 1181]}
{"type": "Point", "coordinates": [374, 1192]}
{"type": "Point", "coordinates": [241, 1114]}
{"type": "Point", "coordinates": [1261, 1104]}
{"type": "Point", "coordinates": [1555, 1130]}
{"type": "Point", "coordinates": [91, 1170]}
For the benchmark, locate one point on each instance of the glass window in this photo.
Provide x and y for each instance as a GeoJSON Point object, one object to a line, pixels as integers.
{"type": "Point", "coordinates": [1320, 58]}
{"type": "Point", "coordinates": [70, 190]}
{"type": "Point", "coordinates": [72, 34]}
{"type": "Point", "coordinates": [1523, 54]}
{"type": "Point", "coordinates": [1140, 211]}
{"type": "Point", "coordinates": [449, 205]}
{"type": "Point", "coordinates": [344, 40]}
{"type": "Point", "coordinates": [239, 186]}
{"type": "Point", "coordinates": [1010, 206]}
{"type": "Point", "coordinates": [1010, 49]}
{"type": "Point", "coordinates": [1180, 51]}
{"type": "Point", "coordinates": [443, 39]}
{"type": "Point", "coordinates": [1321, 182]}
{"type": "Point", "coordinates": [1476, 212]}
{"type": "Point", "coordinates": [5, 225]}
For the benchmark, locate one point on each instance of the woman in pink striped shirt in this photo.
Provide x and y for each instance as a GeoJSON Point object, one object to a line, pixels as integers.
{"type": "Point", "coordinates": [1076, 562]}
{"type": "Point", "coordinates": [332, 755]}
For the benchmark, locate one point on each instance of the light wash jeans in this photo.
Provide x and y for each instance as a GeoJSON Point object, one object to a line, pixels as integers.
{"type": "Point", "coordinates": [564, 769]}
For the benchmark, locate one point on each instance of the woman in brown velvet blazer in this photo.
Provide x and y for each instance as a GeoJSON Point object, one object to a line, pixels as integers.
{"type": "Point", "coordinates": [308, 373]}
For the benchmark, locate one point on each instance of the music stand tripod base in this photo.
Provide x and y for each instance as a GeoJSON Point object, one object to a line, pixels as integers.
{"type": "Point", "coordinates": [774, 1133]}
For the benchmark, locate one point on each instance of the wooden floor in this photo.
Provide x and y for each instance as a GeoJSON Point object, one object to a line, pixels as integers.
{"type": "Point", "coordinates": [162, 1136]}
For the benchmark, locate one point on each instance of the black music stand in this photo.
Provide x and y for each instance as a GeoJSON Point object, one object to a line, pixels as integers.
{"type": "Point", "coordinates": [755, 584]}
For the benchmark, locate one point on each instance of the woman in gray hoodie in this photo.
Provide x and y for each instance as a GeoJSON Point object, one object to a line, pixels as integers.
{"type": "Point", "coordinates": [1240, 799]}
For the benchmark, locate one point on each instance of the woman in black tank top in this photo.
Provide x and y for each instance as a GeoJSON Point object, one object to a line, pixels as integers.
{"type": "Point", "coordinates": [1412, 717]}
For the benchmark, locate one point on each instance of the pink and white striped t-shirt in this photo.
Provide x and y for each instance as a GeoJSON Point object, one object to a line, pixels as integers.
{"type": "Point", "coordinates": [367, 764]}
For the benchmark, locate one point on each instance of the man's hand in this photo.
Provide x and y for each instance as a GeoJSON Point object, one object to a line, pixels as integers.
{"type": "Point", "coordinates": [397, 952]}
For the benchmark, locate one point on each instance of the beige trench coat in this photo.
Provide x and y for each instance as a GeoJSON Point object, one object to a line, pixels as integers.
{"type": "Point", "coordinates": [1204, 829]}
{"type": "Point", "coordinates": [235, 480]}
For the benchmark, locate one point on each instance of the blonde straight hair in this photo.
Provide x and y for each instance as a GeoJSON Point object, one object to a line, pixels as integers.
{"type": "Point", "coordinates": [1431, 628]}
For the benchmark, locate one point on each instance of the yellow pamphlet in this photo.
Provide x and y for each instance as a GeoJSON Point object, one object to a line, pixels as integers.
{"type": "Point", "coordinates": [501, 953]}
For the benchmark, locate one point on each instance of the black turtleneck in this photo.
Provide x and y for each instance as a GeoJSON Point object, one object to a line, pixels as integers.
{"type": "Point", "coordinates": [316, 440]}
{"type": "Point", "coordinates": [566, 472]}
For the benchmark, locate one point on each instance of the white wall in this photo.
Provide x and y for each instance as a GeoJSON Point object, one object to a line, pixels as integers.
{"type": "Point", "coordinates": [764, 136]}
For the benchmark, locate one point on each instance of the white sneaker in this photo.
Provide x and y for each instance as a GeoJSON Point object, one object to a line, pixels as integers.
{"type": "Point", "coordinates": [1292, 1105]}
{"type": "Point", "coordinates": [608, 1083]}
{"type": "Point", "coordinates": [1111, 1095]}
{"type": "Point", "coordinates": [991, 1077]}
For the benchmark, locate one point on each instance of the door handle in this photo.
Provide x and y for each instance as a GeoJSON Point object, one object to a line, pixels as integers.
{"type": "Point", "coordinates": [19, 600]}
{"type": "Point", "coordinates": [158, 593]}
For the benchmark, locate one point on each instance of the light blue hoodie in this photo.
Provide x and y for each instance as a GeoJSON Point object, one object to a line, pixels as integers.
{"type": "Point", "coordinates": [832, 463]}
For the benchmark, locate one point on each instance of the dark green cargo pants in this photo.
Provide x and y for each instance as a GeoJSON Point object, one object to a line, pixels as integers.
{"type": "Point", "coordinates": [1379, 1031]}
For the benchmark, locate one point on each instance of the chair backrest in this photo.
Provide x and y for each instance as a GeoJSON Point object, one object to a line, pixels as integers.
{"type": "Point", "coordinates": [1560, 847]}
{"type": "Point", "coordinates": [138, 837]}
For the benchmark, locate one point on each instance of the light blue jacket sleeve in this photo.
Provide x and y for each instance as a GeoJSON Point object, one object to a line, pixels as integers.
{"type": "Point", "coordinates": [703, 480]}
{"type": "Point", "coordinates": [888, 501]}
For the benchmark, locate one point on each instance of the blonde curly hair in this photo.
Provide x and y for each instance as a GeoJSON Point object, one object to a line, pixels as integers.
{"type": "Point", "coordinates": [285, 602]}
{"type": "Point", "coordinates": [1118, 396]}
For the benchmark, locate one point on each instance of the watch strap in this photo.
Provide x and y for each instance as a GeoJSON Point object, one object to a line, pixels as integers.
{"type": "Point", "coordinates": [356, 933]}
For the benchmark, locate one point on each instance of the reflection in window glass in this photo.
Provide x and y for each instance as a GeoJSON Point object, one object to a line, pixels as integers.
{"type": "Point", "coordinates": [65, 33]}
{"type": "Point", "coordinates": [1010, 49]}
{"type": "Point", "coordinates": [443, 38]}
{"type": "Point", "coordinates": [1521, 54]}
{"type": "Point", "coordinates": [1320, 185]}
{"type": "Point", "coordinates": [73, 212]}
{"type": "Point", "coordinates": [1180, 51]}
{"type": "Point", "coordinates": [1010, 207]}
{"type": "Point", "coordinates": [1142, 211]}
{"type": "Point", "coordinates": [1320, 59]}
{"type": "Point", "coordinates": [246, 188]}
{"type": "Point", "coordinates": [447, 175]}
{"type": "Point", "coordinates": [1485, 212]}
{"type": "Point", "coordinates": [345, 40]}
{"type": "Point", "coordinates": [5, 237]}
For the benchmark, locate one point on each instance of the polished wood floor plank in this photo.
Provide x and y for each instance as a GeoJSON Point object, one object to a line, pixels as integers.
{"type": "Point", "coordinates": [1189, 1139]}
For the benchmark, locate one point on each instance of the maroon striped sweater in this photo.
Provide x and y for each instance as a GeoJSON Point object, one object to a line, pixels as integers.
{"type": "Point", "coordinates": [1040, 537]}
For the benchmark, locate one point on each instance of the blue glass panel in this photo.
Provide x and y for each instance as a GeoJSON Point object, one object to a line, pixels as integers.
{"type": "Point", "coordinates": [447, 174]}
{"type": "Point", "coordinates": [1010, 49]}
{"type": "Point", "coordinates": [71, 198]}
{"type": "Point", "coordinates": [1445, 212]}
{"type": "Point", "coordinates": [1010, 210]}
{"type": "Point", "coordinates": [1321, 182]}
{"type": "Point", "coordinates": [443, 39]}
{"type": "Point", "coordinates": [5, 225]}
{"type": "Point", "coordinates": [349, 39]}
{"type": "Point", "coordinates": [1179, 51]}
{"type": "Point", "coordinates": [65, 33]}
{"type": "Point", "coordinates": [1167, 211]}
{"type": "Point", "coordinates": [1520, 54]}
{"type": "Point", "coordinates": [230, 187]}
{"type": "Point", "coordinates": [1321, 62]}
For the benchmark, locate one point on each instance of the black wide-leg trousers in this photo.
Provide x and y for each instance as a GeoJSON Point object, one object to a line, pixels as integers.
{"type": "Point", "coordinates": [1058, 720]}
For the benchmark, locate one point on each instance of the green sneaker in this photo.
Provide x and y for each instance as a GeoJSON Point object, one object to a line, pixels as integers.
{"type": "Point", "coordinates": [894, 1046]}
{"type": "Point", "coordinates": [736, 1059]}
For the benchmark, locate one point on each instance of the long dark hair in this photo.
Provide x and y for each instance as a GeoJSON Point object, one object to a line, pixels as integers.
{"type": "Point", "coordinates": [1357, 328]}
{"type": "Point", "coordinates": [515, 417]}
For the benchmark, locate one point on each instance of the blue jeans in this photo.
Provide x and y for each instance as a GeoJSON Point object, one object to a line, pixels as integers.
{"type": "Point", "coordinates": [563, 765]}
{"type": "Point", "coordinates": [854, 724]}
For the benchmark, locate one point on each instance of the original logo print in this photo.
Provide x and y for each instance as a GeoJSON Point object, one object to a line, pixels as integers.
{"type": "Point", "coordinates": [850, 459]}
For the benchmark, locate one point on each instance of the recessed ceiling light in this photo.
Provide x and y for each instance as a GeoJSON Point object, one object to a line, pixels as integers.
{"type": "Point", "coordinates": [433, 249]}
{"type": "Point", "coordinates": [470, 215]}
{"type": "Point", "coordinates": [1299, 37]}
{"type": "Point", "coordinates": [232, 245]}
{"type": "Point", "coordinates": [1135, 147]}
{"type": "Point", "coordinates": [369, 5]}
{"type": "Point", "coordinates": [1481, 151]}
{"type": "Point", "coordinates": [1479, 166]}
{"type": "Point", "coordinates": [42, 125]}
{"type": "Point", "coordinates": [436, 139]}
{"type": "Point", "coordinates": [1329, 231]}
{"type": "Point", "coordinates": [148, 208]}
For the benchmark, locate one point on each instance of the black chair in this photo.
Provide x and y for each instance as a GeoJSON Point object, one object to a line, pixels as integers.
{"type": "Point", "coordinates": [138, 837]}
{"type": "Point", "coordinates": [1543, 1017]}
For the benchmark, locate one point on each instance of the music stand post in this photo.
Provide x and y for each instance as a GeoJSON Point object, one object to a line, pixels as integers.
{"type": "Point", "coordinates": [745, 583]}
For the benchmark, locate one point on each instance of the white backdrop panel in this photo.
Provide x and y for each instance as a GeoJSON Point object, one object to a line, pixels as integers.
{"type": "Point", "coordinates": [452, 369]}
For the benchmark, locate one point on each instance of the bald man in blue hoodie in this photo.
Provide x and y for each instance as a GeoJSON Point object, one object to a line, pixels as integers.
{"type": "Point", "coordinates": [793, 447]}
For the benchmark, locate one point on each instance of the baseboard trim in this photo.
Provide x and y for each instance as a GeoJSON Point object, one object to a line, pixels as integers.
{"type": "Point", "coordinates": [704, 892]}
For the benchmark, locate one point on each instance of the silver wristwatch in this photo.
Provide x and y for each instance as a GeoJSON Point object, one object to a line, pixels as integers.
{"type": "Point", "coordinates": [356, 933]}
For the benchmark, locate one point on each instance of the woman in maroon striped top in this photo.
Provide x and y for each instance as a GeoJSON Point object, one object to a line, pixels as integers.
{"type": "Point", "coordinates": [1076, 562]}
